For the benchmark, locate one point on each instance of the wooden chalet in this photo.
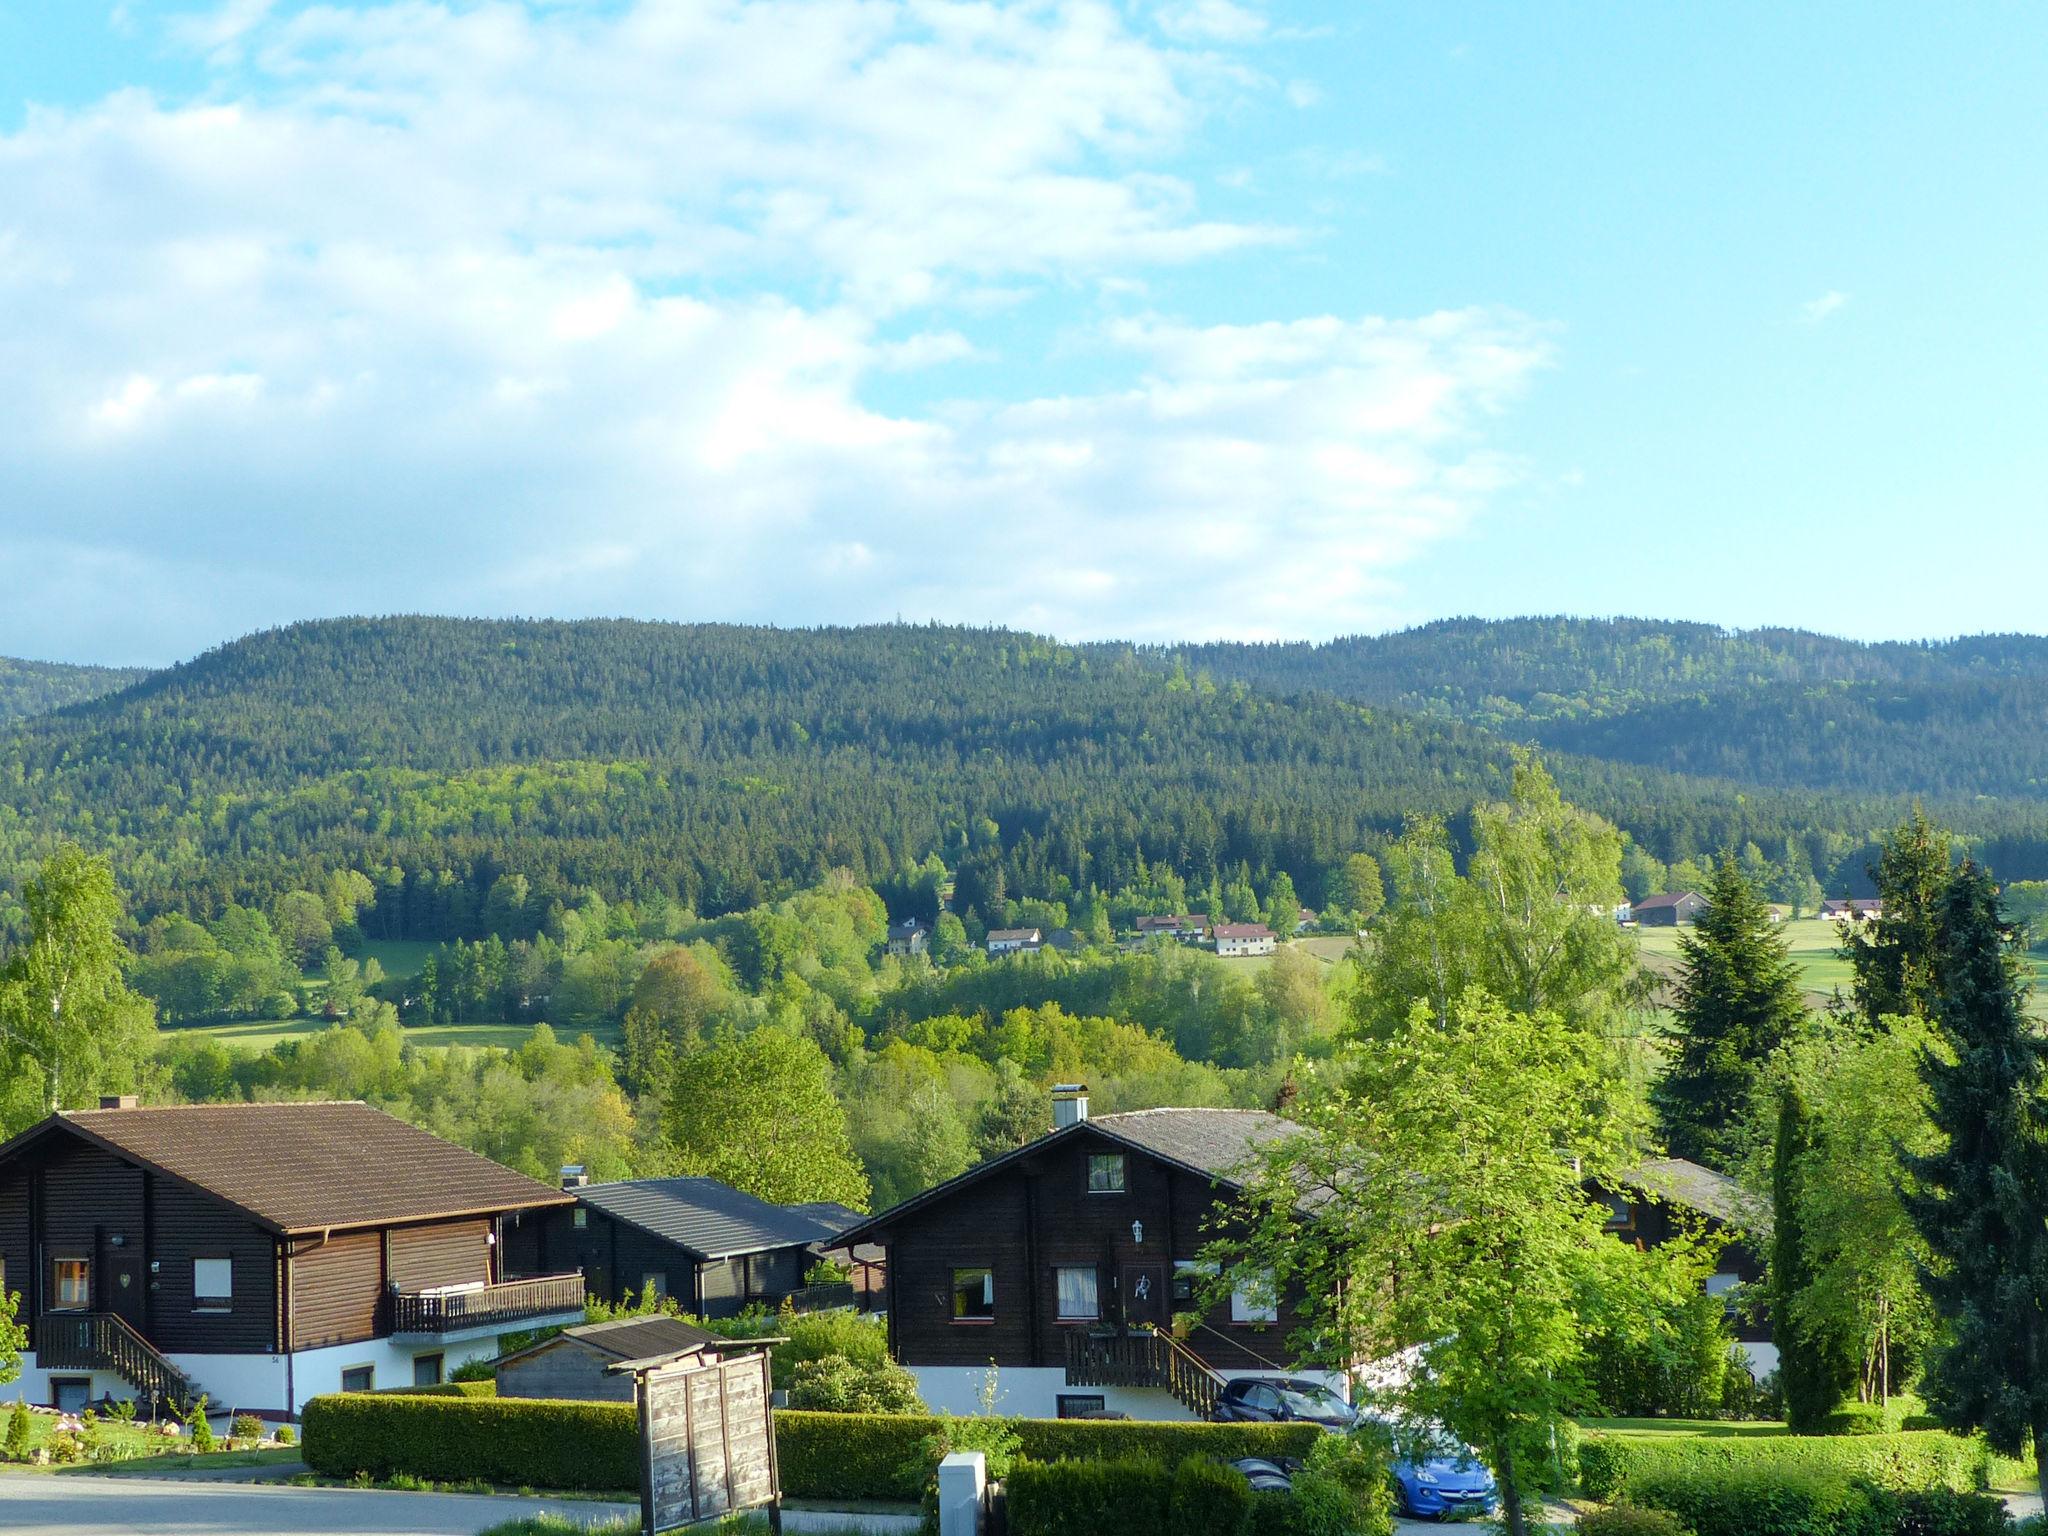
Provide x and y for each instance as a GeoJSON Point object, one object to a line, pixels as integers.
{"type": "Point", "coordinates": [1064, 1263]}
{"type": "Point", "coordinates": [260, 1253]}
{"type": "Point", "coordinates": [712, 1248]}
{"type": "Point", "coordinates": [1662, 1196]}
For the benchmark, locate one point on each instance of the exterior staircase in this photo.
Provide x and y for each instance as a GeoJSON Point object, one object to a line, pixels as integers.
{"type": "Point", "coordinates": [102, 1341]}
{"type": "Point", "coordinates": [1143, 1358]}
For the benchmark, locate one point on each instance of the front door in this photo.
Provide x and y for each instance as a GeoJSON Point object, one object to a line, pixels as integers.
{"type": "Point", "coordinates": [125, 1299]}
{"type": "Point", "coordinates": [1144, 1287]}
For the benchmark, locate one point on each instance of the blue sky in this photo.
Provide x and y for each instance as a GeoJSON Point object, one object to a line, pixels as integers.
{"type": "Point", "coordinates": [1188, 318]}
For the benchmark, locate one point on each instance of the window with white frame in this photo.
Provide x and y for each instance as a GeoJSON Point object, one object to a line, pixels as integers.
{"type": "Point", "coordinates": [213, 1284]}
{"type": "Point", "coordinates": [1253, 1299]}
{"type": "Point", "coordinates": [1079, 1300]}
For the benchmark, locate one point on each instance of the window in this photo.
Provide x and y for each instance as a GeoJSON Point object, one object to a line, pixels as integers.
{"type": "Point", "coordinates": [974, 1295]}
{"type": "Point", "coordinates": [70, 1394]}
{"type": "Point", "coordinates": [1105, 1173]}
{"type": "Point", "coordinates": [654, 1285]}
{"type": "Point", "coordinates": [74, 1285]}
{"type": "Point", "coordinates": [426, 1371]}
{"type": "Point", "coordinates": [1621, 1216]}
{"type": "Point", "coordinates": [1074, 1405]}
{"type": "Point", "coordinates": [359, 1378]}
{"type": "Point", "coordinates": [213, 1284]}
{"type": "Point", "coordinates": [580, 1218]}
{"type": "Point", "coordinates": [1725, 1287]}
{"type": "Point", "coordinates": [1253, 1300]}
{"type": "Point", "coordinates": [1078, 1302]}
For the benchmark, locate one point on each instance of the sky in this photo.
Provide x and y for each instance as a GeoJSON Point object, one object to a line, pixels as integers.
{"type": "Point", "coordinates": [1152, 319]}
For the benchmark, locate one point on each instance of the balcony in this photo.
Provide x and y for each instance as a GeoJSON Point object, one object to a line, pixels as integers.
{"type": "Point", "coordinates": [467, 1312]}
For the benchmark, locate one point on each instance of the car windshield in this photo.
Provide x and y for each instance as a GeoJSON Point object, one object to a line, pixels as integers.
{"type": "Point", "coordinates": [1320, 1401]}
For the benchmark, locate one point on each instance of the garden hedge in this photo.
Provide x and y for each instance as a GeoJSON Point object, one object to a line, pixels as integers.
{"type": "Point", "coordinates": [449, 1437]}
{"type": "Point", "coordinates": [445, 1389]}
{"type": "Point", "coordinates": [526, 1442]}
{"type": "Point", "coordinates": [1130, 1497]}
{"type": "Point", "coordinates": [1615, 1467]}
{"type": "Point", "coordinates": [1760, 1501]}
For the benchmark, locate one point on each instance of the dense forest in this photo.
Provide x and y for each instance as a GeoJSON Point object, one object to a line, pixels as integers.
{"type": "Point", "coordinates": [37, 687]}
{"type": "Point", "coordinates": [1953, 719]}
{"type": "Point", "coordinates": [717, 768]}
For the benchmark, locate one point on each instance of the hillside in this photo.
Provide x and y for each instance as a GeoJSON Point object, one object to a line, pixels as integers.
{"type": "Point", "coordinates": [719, 766]}
{"type": "Point", "coordinates": [37, 687]}
{"type": "Point", "coordinates": [1955, 719]}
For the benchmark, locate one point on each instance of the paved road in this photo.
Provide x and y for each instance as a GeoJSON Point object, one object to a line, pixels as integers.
{"type": "Point", "coordinates": [67, 1505]}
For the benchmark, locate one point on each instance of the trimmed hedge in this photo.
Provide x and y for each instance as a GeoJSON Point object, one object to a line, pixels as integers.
{"type": "Point", "coordinates": [874, 1455]}
{"type": "Point", "coordinates": [445, 1389]}
{"type": "Point", "coordinates": [1209, 1499]}
{"type": "Point", "coordinates": [522, 1441]}
{"type": "Point", "coordinates": [1618, 1467]}
{"type": "Point", "coordinates": [1754, 1501]}
{"type": "Point", "coordinates": [1066, 1498]}
{"type": "Point", "coordinates": [452, 1433]}
{"type": "Point", "coordinates": [1630, 1520]}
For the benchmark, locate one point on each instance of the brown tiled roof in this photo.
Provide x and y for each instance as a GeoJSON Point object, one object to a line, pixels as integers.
{"type": "Point", "coordinates": [309, 1167]}
{"type": "Point", "coordinates": [1242, 931]}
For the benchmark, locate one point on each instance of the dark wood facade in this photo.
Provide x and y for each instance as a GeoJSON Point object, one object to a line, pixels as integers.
{"type": "Point", "coordinates": [1034, 1215]}
{"type": "Point", "coordinates": [1645, 1220]}
{"type": "Point", "coordinates": [618, 1259]}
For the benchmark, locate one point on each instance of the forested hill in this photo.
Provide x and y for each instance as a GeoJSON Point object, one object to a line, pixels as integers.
{"type": "Point", "coordinates": [37, 687]}
{"type": "Point", "coordinates": [1951, 719]}
{"type": "Point", "coordinates": [720, 766]}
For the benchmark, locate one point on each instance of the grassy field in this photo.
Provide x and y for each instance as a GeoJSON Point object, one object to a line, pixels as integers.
{"type": "Point", "coordinates": [262, 1034]}
{"type": "Point", "coordinates": [1814, 941]}
{"type": "Point", "coordinates": [399, 957]}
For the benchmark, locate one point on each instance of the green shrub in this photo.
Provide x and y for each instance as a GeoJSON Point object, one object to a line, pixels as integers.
{"type": "Point", "coordinates": [481, 1369]}
{"type": "Point", "coordinates": [1345, 1488]}
{"type": "Point", "coordinates": [286, 1435]}
{"type": "Point", "coordinates": [1209, 1499]}
{"type": "Point", "coordinates": [1274, 1514]}
{"type": "Point", "coordinates": [807, 1336]}
{"type": "Point", "coordinates": [880, 1456]}
{"type": "Point", "coordinates": [854, 1456]}
{"type": "Point", "coordinates": [522, 1441]}
{"type": "Point", "coordinates": [1755, 1500]}
{"type": "Point", "coordinates": [453, 1387]}
{"type": "Point", "coordinates": [1630, 1520]}
{"type": "Point", "coordinates": [835, 1384]}
{"type": "Point", "coordinates": [1672, 1361]}
{"type": "Point", "coordinates": [18, 1431]}
{"type": "Point", "coordinates": [1855, 1419]}
{"type": "Point", "coordinates": [245, 1426]}
{"type": "Point", "coordinates": [1937, 1512]}
{"type": "Point", "coordinates": [1082, 1498]}
{"type": "Point", "coordinates": [202, 1430]}
{"type": "Point", "coordinates": [1612, 1466]}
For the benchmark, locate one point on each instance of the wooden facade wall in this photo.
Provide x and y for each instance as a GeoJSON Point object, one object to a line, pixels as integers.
{"type": "Point", "coordinates": [441, 1253]}
{"type": "Point", "coordinates": [184, 1226]}
{"type": "Point", "coordinates": [1037, 1215]}
{"type": "Point", "coordinates": [616, 1258]}
{"type": "Point", "coordinates": [16, 1251]}
{"type": "Point", "coordinates": [565, 1368]}
{"type": "Point", "coordinates": [337, 1290]}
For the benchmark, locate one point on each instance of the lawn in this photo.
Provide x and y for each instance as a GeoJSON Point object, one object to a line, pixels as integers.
{"type": "Point", "coordinates": [262, 1034]}
{"type": "Point", "coordinates": [1822, 971]}
{"type": "Point", "coordinates": [399, 957]}
{"type": "Point", "coordinates": [132, 1447]}
{"type": "Point", "coordinates": [1720, 1429]}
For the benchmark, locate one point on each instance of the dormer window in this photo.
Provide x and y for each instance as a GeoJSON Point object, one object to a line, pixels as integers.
{"type": "Point", "coordinates": [1105, 1173]}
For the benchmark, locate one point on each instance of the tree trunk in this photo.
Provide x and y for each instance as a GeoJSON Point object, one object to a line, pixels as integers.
{"type": "Point", "coordinates": [1511, 1517]}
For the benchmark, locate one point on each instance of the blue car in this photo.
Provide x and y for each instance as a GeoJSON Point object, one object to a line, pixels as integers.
{"type": "Point", "coordinates": [1435, 1477]}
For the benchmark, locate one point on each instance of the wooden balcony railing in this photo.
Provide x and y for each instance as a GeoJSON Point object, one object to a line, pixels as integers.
{"type": "Point", "coordinates": [504, 1305]}
{"type": "Point", "coordinates": [102, 1341]}
{"type": "Point", "coordinates": [1141, 1359]}
{"type": "Point", "coordinates": [822, 1298]}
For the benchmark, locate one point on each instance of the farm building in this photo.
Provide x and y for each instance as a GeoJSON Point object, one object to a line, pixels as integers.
{"type": "Point", "coordinates": [909, 937]}
{"type": "Point", "coordinates": [1670, 908]}
{"type": "Point", "coordinates": [1011, 941]}
{"type": "Point", "coordinates": [1233, 939]}
{"type": "Point", "coordinates": [1852, 911]}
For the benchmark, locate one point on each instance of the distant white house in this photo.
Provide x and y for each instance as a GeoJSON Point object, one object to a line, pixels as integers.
{"type": "Point", "coordinates": [1185, 926]}
{"type": "Point", "coordinates": [1852, 911]}
{"type": "Point", "coordinates": [1233, 939]}
{"type": "Point", "coordinates": [1010, 941]}
{"type": "Point", "coordinates": [909, 937]}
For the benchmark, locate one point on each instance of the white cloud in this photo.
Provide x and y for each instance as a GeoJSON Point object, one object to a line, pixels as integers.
{"type": "Point", "coordinates": [1216, 21]}
{"type": "Point", "coordinates": [1814, 311]}
{"type": "Point", "coordinates": [496, 309]}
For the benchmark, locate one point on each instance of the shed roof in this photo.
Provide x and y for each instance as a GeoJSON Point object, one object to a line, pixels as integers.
{"type": "Point", "coordinates": [1679, 1181]}
{"type": "Point", "coordinates": [714, 1220]}
{"type": "Point", "coordinates": [305, 1167]}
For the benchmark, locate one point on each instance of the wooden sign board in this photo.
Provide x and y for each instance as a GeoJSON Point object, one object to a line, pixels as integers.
{"type": "Point", "coordinates": [707, 1442]}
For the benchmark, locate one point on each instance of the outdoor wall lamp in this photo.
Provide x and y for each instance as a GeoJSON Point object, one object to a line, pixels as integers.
{"type": "Point", "coordinates": [1138, 1232]}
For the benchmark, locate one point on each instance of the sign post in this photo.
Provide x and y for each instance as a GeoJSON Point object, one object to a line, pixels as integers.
{"type": "Point", "coordinates": [707, 1441]}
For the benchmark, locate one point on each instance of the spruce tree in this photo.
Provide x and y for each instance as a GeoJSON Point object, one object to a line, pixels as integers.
{"type": "Point", "coordinates": [1738, 1001]}
{"type": "Point", "coordinates": [1982, 1200]}
{"type": "Point", "coordinates": [1893, 957]}
{"type": "Point", "coordinates": [1815, 1369]}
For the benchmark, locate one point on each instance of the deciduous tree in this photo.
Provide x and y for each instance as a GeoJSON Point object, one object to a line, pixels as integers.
{"type": "Point", "coordinates": [757, 1111]}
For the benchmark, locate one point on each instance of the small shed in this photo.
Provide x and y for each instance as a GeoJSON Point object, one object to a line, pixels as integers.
{"type": "Point", "coordinates": [576, 1363]}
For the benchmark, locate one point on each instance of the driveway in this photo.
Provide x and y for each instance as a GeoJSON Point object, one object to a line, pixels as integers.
{"type": "Point", "coordinates": [45, 1505]}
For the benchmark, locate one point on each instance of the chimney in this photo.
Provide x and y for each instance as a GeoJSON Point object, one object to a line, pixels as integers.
{"type": "Point", "coordinates": [119, 1101]}
{"type": "Point", "coordinates": [573, 1176]}
{"type": "Point", "coordinates": [1069, 1104]}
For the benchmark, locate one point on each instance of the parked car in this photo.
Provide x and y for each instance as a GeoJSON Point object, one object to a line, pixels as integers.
{"type": "Point", "coordinates": [1266, 1476]}
{"type": "Point", "coordinates": [1434, 1475]}
{"type": "Point", "coordinates": [1282, 1400]}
